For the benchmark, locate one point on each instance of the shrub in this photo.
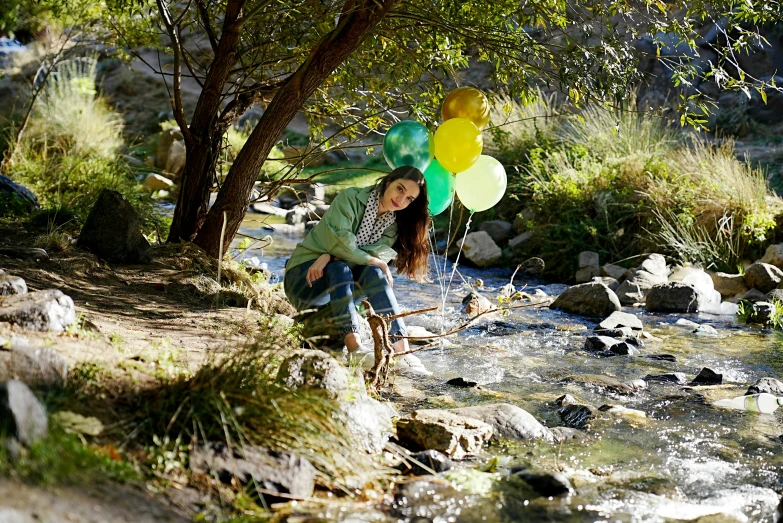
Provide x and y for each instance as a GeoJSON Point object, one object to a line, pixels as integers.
{"type": "Point", "coordinates": [621, 185]}
{"type": "Point", "coordinates": [71, 147]}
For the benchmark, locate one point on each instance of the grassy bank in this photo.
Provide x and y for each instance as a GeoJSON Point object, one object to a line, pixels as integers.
{"type": "Point", "coordinates": [622, 184]}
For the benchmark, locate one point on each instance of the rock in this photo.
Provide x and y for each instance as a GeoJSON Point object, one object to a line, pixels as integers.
{"type": "Point", "coordinates": [47, 310]}
{"type": "Point", "coordinates": [300, 214]}
{"type": "Point", "coordinates": [606, 280]}
{"type": "Point", "coordinates": [615, 271]}
{"type": "Point", "coordinates": [480, 248]}
{"type": "Point", "coordinates": [24, 253]}
{"type": "Point", "coordinates": [12, 285]}
{"type": "Point", "coordinates": [589, 259]}
{"type": "Point", "coordinates": [112, 231]}
{"type": "Point", "coordinates": [33, 365]}
{"type": "Point", "coordinates": [655, 264]}
{"type": "Point", "coordinates": [517, 242]}
{"type": "Point", "coordinates": [21, 414]}
{"type": "Point", "coordinates": [674, 377]}
{"type": "Point", "coordinates": [761, 312]}
{"type": "Point", "coordinates": [433, 429]}
{"type": "Point", "coordinates": [498, 230]}
{"type": "Point", "coordinates": [635, 288]}
{"type": "Point", "coordinates": [588, 299]}
{"type": "Point", "coordinates": [586, 274]}
{"type": "Point", "coordinates": [773, 256]}
{"type": "Point", "coordinates": [310, 225]}
{"type": "Point", "coordinates": [268, 208]}
{"type": "Point", "coordinates": [763, 276]}
{"type": "Point", "coordinates": [623, 412]}
{"type": "Point", "coordinates": [532, 266]}
{"type": "Point", "coordinates": [728, 285]}
{"type": "Point", "coordinates": [433, 460]}
{"type": "Point", "coordinates": [369, 420]}
{"type": "Point", "coordinates": [709, 298]}
{"type": "Point", "coordinates": [18, 193]}
{"type": "Point", "coordinates": [601, 382]}
{"type": "Point", "coordinates": [619, 332]}
{"type": "Point", "coordinates": [707, 377]}
{"type": "Point", "coordinates": [272, 472]}
{"type": "Point", "coordinates": [672, 297]}
{"type": "Point", "coordinates": [175, 163]}
{"type": "Point", "coordinates": [662, 357]}
{"type": "Point", "coordinates": [607, 346]}
{"type": "Point", "coordinates": [621, 319]}
{"type": "Point", "coordinates": [415, 331]}
{"type": "Point", "coordinates": [565, 399]}
{"type": "Point", "coordinates": [320, 209]}
{"type": "Point", "coordinates": [461, 382]}
{"type": "Point", "coordinates": [547, 485]}
{"type": "Point", "coordinates": [165, 140]}
{"type": "Point", "coordinates": [474, 303]}
{"type": "Point", "coordinates": [577, 416]}
{"type": "Point", "coordinates": [753, 295]}
{"type": "Point", "coordinates": [507, 421]}
{"type": "Point", "coordinates": [769, 385]}
{"type": "Point", "coordinates": [156, 182]}
{"type": "Point", "coordinates": [562, 434]}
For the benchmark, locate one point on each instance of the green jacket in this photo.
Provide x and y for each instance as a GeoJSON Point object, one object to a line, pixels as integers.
{"type": "Point", "coordinates": [336, 233]}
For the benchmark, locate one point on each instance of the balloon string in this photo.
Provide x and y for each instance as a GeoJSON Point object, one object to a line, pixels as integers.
{"type": "Point", "coordinates": [448, 236]}
{"type": "Point", "coordinates": [433, 253]}
{"type": "Point", "coordinates": [454, 267]}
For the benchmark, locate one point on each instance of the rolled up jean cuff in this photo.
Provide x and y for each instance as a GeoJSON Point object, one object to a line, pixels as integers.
{"type": "Point", "coordinates": [397, 329]}
{"type": "Point", "coordinates": [347, 329]}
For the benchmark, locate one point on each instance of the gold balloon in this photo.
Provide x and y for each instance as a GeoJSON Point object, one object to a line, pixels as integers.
{"type": "Point", "coordinates": [467, 102]}
{"type": "Point", "coordinates": [458, 144]}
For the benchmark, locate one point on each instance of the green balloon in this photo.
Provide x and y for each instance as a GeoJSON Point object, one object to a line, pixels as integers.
{"type": "Point", "coordinates": [440, 187]}
{"type": "Point", "coordinates": [408, 144]}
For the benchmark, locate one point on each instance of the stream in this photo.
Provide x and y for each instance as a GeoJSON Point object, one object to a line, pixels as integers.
{"type": "Point", "coordinates": [684, 461]}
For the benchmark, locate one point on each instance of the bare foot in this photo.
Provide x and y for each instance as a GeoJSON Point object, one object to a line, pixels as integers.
{"type": "Point", "coordinates": [400, 346]}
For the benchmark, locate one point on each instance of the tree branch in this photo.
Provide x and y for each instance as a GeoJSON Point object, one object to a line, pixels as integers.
{"type": "Point", "coordinates": [176, 45]}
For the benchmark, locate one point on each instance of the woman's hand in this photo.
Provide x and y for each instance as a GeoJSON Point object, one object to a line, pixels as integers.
{"type": "Point", "coordinates": [316, 270]}
{"type": "Point", "coordinates": [382, 265]}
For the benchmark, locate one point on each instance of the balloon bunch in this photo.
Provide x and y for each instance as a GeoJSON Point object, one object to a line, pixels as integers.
{"type": "Point", "coordinates": [451, 160]}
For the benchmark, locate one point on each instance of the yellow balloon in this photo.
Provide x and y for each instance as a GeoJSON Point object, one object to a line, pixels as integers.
{"type": "Point", "coordinates": [458, 144]}
{"type": "Point", "coordinates": [466, 102]}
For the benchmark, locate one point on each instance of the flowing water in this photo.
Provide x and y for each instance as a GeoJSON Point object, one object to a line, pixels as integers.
{"type": "Point", "coordinates": [684, 461]}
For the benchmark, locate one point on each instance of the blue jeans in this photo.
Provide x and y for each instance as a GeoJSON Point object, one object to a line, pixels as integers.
{"type": "Point", "coordinates": [336, 293]}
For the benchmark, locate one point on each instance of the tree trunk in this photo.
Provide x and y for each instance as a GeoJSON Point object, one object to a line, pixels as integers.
{"type": "Point", "coordinates": [358, 18]}
{"type": "Point", "coordinates": [203, 145]}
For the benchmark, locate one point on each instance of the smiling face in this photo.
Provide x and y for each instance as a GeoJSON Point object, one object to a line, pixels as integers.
{"type": "Point", "coordinates": [398, 195]}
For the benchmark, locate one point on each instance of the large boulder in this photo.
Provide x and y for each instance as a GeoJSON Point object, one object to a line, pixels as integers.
{"type": "Point", "coordinates": [368, 420]}
{"type": "Point", "coordinates": [673, 297]}
{"type": "Point", "coordinates": [21, 414]}
{"type": "Point", "coordinates": [481, 249]}
{"type": "Point", "coordinates": [588, 267]}
{"type": "Point", "coordinates": [763, 276]}
{"type": "Point", "coordinates": [614, 271]}
{"type": "Point", "coordinates": [15, 194]}
{"type": "Point", "coordinates": [499, 230]}
{"type": "Point", "coordinates": [165, 140]}
{"type": "Point", "coordinates": [595, 300]}
{"type": "Point", "coordinates": [445, 431]}
{"type": "Point", "coordinates": [635, 288]}
{"type": "Point", "coordinates": [507, 421]}
{"type": "Point", "coordinates": [156, 182]}
{"type": "Point", "coordinates": [278, 476]}
{"type": "Point", "coordinates": [113, 232]}
{"type": "Point", "coordinates": [728, 285]}
{"type": "Point", "coordinates": [655, 264]}
{"type": "Point", "coordinates": [47, 310]}
{"type": "Point", "coordinates": [33, 365]}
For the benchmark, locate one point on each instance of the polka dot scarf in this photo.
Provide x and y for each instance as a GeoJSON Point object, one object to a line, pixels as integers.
{"type": "Point", "coordinates": [372, 226]}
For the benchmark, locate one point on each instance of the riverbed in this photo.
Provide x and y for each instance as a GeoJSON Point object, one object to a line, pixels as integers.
{"type": "Point", "coordinates": [682, 460]}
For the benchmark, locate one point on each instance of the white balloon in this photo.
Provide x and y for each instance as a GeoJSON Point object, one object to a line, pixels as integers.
{"type": "Point", "coordinates": [481, 185]}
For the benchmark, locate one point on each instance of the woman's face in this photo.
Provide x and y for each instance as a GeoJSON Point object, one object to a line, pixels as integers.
{"type": "Point", "coordinates": [398, 195]}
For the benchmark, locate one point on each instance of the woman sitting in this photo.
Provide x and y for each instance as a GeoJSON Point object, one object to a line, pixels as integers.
{"type": "Point", "coordinates": [347, 255]}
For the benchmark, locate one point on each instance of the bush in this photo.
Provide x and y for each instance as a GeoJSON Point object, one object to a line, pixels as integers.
{"type": "Point", "coordinates": [621, 185]}
{"type": "Point", "coordinates": [70, 150]}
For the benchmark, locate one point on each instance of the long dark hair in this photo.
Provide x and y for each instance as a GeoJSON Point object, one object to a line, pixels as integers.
{"type": "Point", "coordinates": [413, 223]}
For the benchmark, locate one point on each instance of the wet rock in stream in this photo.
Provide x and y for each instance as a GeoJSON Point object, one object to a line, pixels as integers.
{"type": "Point", "coordinates": [619, 320]}
{"type": "Point", "coordinates": [598, 381]}
{"type": "Point", "coordinates": [674, 377]}
{"type": "Point", "coordinates": [707, 377]}
{"type": "Point", "coordinates": [507, 421]}
{"type": "Point", "coordinates": [577, 416]}
{"type": "Point", "coordinates": [474, 304]}
{"type": "Point", "coordinates": [594, 300]}
{"type": "Point", "coordinates": [461, 382]}
{"type": "Point", "coordinates": [768, 385]}
{"type": "Point", "coordinates": [545, 484]}
{"type": "Point", "coordinates": [605, 346]}
{"type": "Point", "coordinates": [433, 460]}
{"type": "Point", "coordinates": [445, 431]}
{"type": "Point", "coordinates": [661, 357]}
